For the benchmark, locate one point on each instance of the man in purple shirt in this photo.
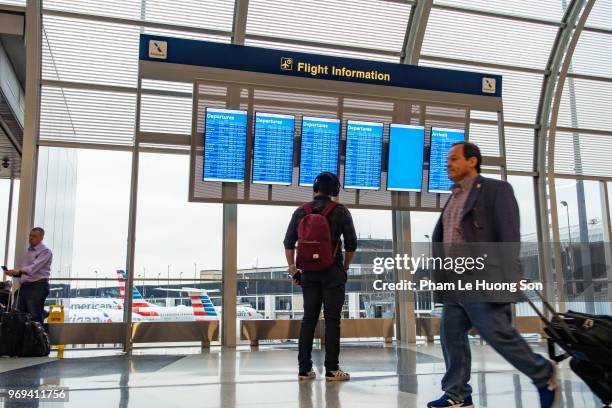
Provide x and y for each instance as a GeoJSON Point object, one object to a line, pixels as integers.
{"type": "Point", "coordinates": [34, 275]}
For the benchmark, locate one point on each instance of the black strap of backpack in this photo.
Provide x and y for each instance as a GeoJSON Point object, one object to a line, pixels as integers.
{"type": "Point", "coordinates": [326, 211]}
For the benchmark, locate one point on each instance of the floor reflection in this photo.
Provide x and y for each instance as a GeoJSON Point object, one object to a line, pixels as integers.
{"type": "Point", "coordinates": [381, 377]}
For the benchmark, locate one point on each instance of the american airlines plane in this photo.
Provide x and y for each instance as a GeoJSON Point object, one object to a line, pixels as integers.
{"type": "Point", "coordinates": [98, 310]}
{"type": "Point", "coordinates": [204, 309]}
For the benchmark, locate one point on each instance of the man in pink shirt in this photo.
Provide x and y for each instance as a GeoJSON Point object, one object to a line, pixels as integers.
{"type": "Point", "coordinates": [34, 275]}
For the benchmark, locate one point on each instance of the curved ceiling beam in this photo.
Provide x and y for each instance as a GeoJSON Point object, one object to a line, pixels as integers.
{"type": "Point", "coordinates": [563, 74]}
{"type": "Point", "coordinates": [550, 85]}
{"type": "Point", "coordinates": [415, 32]}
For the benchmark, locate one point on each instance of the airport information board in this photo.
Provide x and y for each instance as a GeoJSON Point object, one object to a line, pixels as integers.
{"type": "Point", "coordinates": [405, 167]}
{"type": "Point", "coordinates": [319, 149]}
{"type": "Point", "coordinates": [273, 149]}
{"type": "Point", "coordinates": [363, 155]}
{"type": "Point", "coordinates": [225, 145]}
{"type": "Point", "coordinates": [441, 142]}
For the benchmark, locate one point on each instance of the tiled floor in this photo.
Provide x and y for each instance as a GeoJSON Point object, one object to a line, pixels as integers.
{"type": "Point", "coordinates": [381, 377]}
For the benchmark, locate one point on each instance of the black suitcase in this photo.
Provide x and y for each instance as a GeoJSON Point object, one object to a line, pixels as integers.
{"type": "Point", "coordinates": [12, 327]}
{"type": "Point", "coordinates": [35, 340]}
{"type": "Point", "coordinates": [21, 336]}
{"type": "Point", "coordinates": [587, 339]}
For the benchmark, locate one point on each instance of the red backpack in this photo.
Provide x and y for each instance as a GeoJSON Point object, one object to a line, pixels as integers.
{"type": "Point", "coordinates": [314, 245]}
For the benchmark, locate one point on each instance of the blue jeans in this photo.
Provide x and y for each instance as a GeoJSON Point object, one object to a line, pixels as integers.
{"type": "Point", "coordinates": [494, 324]}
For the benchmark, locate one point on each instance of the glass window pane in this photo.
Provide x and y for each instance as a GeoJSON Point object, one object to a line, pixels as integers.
{"type": "Point", "coordinates": [82, 202]}
{"type": "Point", "coordinates": [178, 243]}
{"type": "Point", "coordinates": [471, 37]}
{"type": "Point", "coordinates": [381, 24]}
{"type": "Point", "coordinates": [581, 234]}
{"type": "Point", "coordinates": [4, 204]}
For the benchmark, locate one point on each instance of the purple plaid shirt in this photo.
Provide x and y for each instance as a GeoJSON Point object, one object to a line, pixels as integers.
{"type": "Point", "coordinates": [451, 219]}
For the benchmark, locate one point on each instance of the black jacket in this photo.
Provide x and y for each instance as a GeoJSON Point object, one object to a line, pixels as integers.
{"type": "Point", "coordinates": [490, 224]}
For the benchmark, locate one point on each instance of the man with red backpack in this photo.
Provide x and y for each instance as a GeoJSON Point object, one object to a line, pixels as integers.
{"type": "Point", "coordinates": [320, 269]}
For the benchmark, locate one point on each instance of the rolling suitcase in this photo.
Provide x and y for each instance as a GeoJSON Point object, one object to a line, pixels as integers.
{"type": "Point", "coordinates": [21, 336]}
{"type": "Point", "coordinates": [587, 339]}
{"type": "Point", "coordinates": [12, 327]}
{"type": "Point", "coordinates": [35, 340]}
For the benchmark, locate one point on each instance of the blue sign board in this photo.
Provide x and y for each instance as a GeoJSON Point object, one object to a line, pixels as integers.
{"type": "Point", "coordinates": [224, 145]}
{"type": "Point", "coordinates": [273, 149]}
{"type": "Point", "coordinates": [319, 150]}
{"type": "Point", "coordinates": [299, 64]}
{"type": "Point", "coordinates": [405, 169]}
{"type": "Point", "coordinates": [363, 155]}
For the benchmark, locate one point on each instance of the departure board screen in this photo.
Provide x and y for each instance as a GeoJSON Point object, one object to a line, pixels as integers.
{"type": "Point", "coordinates": [319, 150]}
{"type": "Point", "coordinates": [405, 167]}
{"type": "Point", "coordinates": [225, 145]}
{"type": "Point", "coordinates": [363, 155]}
{"type": "Point", "coordinates": [441, 142]}
{"type": "Point", "coordinates": [273, 149]}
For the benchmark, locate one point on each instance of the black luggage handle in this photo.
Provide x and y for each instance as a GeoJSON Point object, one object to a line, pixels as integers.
{"type": "Point", "coordinates": [552, 352]}
{"type": "Point", "coordinates": [13, 303]}
{"type": "Point", "coordinates": [556, 316]}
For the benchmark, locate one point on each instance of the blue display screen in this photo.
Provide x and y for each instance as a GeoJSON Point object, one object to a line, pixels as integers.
{"type": "Point", "coordinates": [225, 145]}
{"type": "Point", "coordinates": [405, 169]}
{"type": "Point", "coordinates": [273, 149]}
{"type": "Point", "coordinates": [319, 150]}
{"type": "Point", "coordinates": [363, 155]}
{"type": "Point", "coordinates": [441, 142]}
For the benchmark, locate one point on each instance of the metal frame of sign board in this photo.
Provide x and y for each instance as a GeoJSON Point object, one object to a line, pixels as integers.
{"type": "Point", "coordinates": [350, 93]}
{"type": "Point", "coordinates": [269, 82]}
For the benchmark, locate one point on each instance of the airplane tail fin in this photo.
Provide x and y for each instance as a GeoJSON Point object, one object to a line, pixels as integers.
{"type": "Point", "coordinates": [202, 305]}
{"type": "Point", "coordinates": [137, 299]}
{"type": "Point", "coordinates": [121, 279]}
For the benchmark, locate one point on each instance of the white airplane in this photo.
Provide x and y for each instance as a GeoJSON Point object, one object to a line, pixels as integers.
{"type": "Point", "coordinates": [151, 311]}
{"type": "Point", "coordinates": [182, 313]}
{"type": "Point", "coordinates": [204, 309]}
{"type": "Point", "coordinates": [111, 309]}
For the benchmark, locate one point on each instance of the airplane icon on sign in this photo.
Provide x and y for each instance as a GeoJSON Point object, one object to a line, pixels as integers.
{"type": "Point", "coordinates": [286, 64]}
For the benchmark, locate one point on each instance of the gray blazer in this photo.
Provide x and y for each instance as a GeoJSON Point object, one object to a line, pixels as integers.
{"type": "Point", "coordinates": [490, 224]}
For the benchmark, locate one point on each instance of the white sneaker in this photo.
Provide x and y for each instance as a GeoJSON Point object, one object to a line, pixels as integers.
{"type": "Point", "coordinates": [337, 375]}
{"type": "Point", "coordinates": [311, 375]}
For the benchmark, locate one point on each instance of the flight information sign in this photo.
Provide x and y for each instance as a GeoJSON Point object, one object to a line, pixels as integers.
{"type": "Point", "coordinates": [405, 167]}
{"type": "Point", "coordinates": [225, 145]}
{"type": "Point", "coordinates": [363, 155]}
{"type": "Point", "coordinates": [319, 150]}
{"type": "Point", "coordinates": [273, 149]}
{"type": "Point", "coordinates": [441, 142]}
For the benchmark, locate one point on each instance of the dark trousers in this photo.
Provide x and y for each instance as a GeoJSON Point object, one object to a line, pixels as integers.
{"type": "Point", "coordinates": [494, 324]}
{"type": "Point", "coordinates": [324, 288]}
{"type": "Point", "coordinates": [32, 298]}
